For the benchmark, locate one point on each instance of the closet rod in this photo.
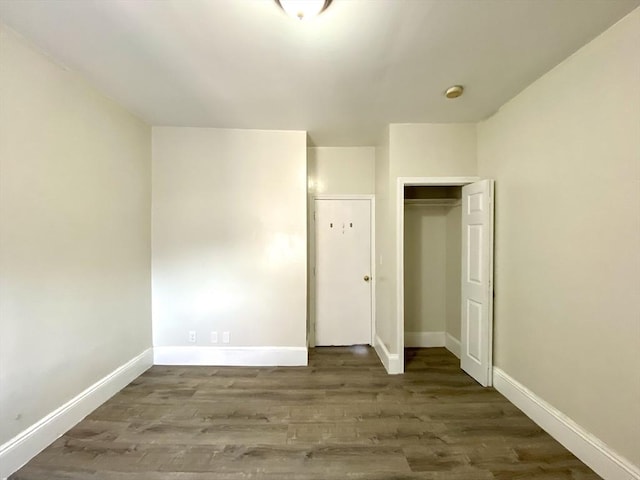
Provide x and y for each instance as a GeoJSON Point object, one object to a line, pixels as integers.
{"type": "Point", "coordinates": [433, 202]}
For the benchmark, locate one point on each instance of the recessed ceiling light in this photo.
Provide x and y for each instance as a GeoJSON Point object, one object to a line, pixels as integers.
{"type": "Point", "coordinates": [454, 92]}
{"type": "Point", "coordinates": [303, 9]}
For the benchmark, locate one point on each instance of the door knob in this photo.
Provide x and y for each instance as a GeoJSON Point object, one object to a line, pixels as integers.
{"type": "Point", "coordinates": [366, 278]}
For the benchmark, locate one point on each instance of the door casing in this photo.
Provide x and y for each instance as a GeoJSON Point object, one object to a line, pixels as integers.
{"type": "Point", "coordinates": [311, 324]}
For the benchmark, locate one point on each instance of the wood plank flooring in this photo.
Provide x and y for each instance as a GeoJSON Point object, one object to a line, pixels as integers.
{"type": "Point", "coordinates": [342, 417]}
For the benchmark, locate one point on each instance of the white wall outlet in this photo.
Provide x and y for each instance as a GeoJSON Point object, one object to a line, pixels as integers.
{"type": "Point", "coordinates": [214, 337]}
{"type": "Point", "coordinates": [192, 336]}
{"type": "Point", "coordinates": [225, 337]}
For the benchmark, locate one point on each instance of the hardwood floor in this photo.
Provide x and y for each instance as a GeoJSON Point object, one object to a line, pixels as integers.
{"type": "Point", "coordinates": [342, 417]}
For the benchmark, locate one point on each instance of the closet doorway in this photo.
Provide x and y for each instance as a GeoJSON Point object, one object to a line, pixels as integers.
{"type": "Point", "coordinates": [445, 268]}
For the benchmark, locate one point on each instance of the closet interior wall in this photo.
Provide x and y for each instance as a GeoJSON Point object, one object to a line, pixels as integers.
{"type": "Point", "coordinates": [432, 256]}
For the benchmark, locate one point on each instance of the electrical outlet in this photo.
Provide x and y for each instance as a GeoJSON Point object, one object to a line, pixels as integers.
{"type": "Point", "coordinates": [214, 337]}
{"type": "Point", "coordinates": [225, 337]}
{"type": "Point", "coordinates": [192, 336]}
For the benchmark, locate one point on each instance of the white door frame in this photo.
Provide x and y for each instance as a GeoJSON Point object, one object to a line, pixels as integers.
{"type": "Point", "coordinates": [311, 334]}
{"type": "Point", "coordinates": [412, 182]}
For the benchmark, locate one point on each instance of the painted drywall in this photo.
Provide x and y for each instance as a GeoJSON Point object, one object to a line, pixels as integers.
{"type": "Point", "coordinates": [341, 170]}
{"type": "Point", "coordinates": [406, 150]}
{"type": "Point", "coordinates": [385, 294]}
{"type": "Point", "coordinates": [432, 256]}
{"type": "Point", "coordinates": [565, 154]}
{"type": "Point", "coordinates": [453, 271]}
{"type": "Point", "coordinates": [229, 236]}
{"type": "Point", "coordinates": [425, 268]}
{"type": "Point", "coordinates": [74, 236]}
{"type": "Point", "coordinates": [432, 150]}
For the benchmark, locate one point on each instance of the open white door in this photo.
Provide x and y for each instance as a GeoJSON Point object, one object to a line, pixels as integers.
{"type": "Point", "coordinates": [477, 281]}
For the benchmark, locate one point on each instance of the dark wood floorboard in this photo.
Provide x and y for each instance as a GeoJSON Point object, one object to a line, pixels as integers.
{"type": "Point", "coordinates": [342, 417]}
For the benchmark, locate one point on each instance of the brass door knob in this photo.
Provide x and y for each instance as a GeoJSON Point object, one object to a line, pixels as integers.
{"type": "Point", "coordinates": [366, 278]}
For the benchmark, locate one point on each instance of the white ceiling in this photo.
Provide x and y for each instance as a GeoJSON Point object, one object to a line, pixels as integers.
{"type": "Point", "coordinates": [359, 66]}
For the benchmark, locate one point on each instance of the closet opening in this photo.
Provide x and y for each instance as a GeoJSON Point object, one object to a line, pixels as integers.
{"type": "Point", "coordinates": [445, 269]}
{"type": "Point", "coordinates": [432, 266]}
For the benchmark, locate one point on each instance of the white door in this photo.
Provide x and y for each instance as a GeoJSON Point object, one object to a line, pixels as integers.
{"type": "Point", "coordinates": [477, 281]}
{"type": "Point", "coordinates": [343, 271]}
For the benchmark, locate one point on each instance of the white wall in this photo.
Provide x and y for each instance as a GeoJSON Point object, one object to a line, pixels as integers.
{"type": "Point", "coordinates": [432, 149]}
{"type": "Point", "coordinates": [385, 294]}
{"type": "Point", "coordinates": [229, 236]}
{"type": "Point", "coordinates": [565, 154]}
{"type": "Point", "coordinates": [424, 150]}
{"type": "Point", "coordinates": [341, 170]}
{"type": "Point", "coordinates": [74, 236]}
{"type": "Point", "coordinates": [425, 268]}
{"type": "Point", "coordinates": [453, 253]}
{"type": "Point", "coordinates": [432, 256]}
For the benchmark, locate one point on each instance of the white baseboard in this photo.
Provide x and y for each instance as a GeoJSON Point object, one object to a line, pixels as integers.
{"type": "Point", "coordinates": [231, 356]}
{"type": "Point", "coordinates": [391, 361]}
{"type": "Point", "coordinates": [23, 447]}
{"type": "Point", "coordinates": [424, 339]}
{"type": "Point", "coordinates": [588, 448]}
{"type": "Point", "coordinates": [452, 344]}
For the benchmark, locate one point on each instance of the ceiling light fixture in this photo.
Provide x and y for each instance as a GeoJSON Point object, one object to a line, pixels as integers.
{"type": "Point", "coordinates": [303, 9]}
{"type": "Point", "coordinates": [454, 91]}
